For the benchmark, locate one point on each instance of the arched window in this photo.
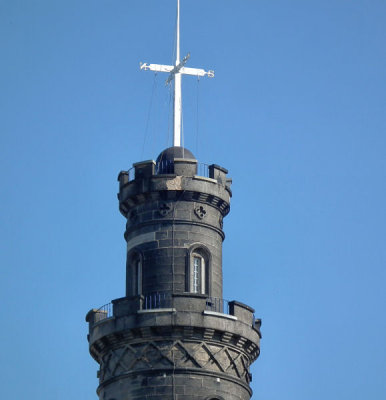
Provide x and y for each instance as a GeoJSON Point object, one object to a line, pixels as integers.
{"type": "Point", "coordinates": [198, 271]}
{"type": "Point", "coordinates": [198, 274]}
{"type": "Point", "coordinates": [134, 275]}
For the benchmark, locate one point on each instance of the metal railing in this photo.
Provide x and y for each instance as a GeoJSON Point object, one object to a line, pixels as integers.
{"type": "Point", "coordinates": [167, 167]}
{"type": "Point", "coordinates": [104, 312]}
{"type": "Point", "coordinates": [157, 300]}
{"type": "Point", "coordinates": [164, 167]}
{"type": "Point", "coordinates": [217, 305]}
{"type": "Point", "coordinates": [203, 170]}
{"type": "Point", "coordinates": [256, 323]}
{"type": "Point", "coordinates": [131, 173]}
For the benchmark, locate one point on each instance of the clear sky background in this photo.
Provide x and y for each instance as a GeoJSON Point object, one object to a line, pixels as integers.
{"type": "Point", "coordinates": [296, 112]}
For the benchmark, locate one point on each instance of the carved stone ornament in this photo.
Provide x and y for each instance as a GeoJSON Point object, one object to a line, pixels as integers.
{"type": "Point", "coordinates": [200, 211]}
{"type": "Point", "coordinates": [174, 184]}
{"type": "Point", "coordinates": [165, 209]}
{"type": "Point", "coordinates": [171, 354]}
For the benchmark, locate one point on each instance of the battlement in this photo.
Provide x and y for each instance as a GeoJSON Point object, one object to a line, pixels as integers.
{"type": "Point", "coordinates": [165, 302]}
{"type": "Point", "coordinates": [179, 175]}
{"type": "Point", "coordinates": [185, 336]}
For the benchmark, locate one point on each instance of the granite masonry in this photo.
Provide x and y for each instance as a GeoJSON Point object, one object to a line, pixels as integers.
{"type": "Point", "coordinates": [173, 337]}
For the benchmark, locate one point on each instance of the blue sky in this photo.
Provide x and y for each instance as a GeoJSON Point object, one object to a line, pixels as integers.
{"type": "Point", "coordinates": [296, 112]}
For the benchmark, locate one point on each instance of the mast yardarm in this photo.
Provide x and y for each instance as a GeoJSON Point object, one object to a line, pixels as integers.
{"type": "Point", "coordinates": [175, 71]}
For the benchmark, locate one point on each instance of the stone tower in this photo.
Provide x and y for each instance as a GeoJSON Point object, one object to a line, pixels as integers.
{"type": "Point", "coordinates": [173, 337]}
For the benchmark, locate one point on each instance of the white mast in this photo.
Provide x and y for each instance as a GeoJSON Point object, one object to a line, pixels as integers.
{"type": "Point", "coordinates": [177, 87]}
{"type": "Point", "coordinates": [176, 71]}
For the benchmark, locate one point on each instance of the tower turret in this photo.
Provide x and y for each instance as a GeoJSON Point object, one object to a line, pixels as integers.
{"type": "Point", "coordinates": [173, 336]}
{"type": "Point", "coordinates": [174, 225]}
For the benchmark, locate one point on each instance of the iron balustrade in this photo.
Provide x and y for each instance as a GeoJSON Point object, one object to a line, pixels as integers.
{"type": "Point", "coordinates": [203, 170]}
{"type": "Point", "coordinates": [217, 305]}
{"type": "Point", "coordinates": [164, 300]}
{"type": "Point", "coordinates": [167, 167]}
{"type": "Point", "coordinates": [256, 323]}
{"type": "Point", "coordinates": [104, 312]}
{"type": "Point", "coordinates": [164, 167]}
{"type": "Point", "coordinates": [157, 300]}
{"type": "Point", "coordinates": [131, 173]}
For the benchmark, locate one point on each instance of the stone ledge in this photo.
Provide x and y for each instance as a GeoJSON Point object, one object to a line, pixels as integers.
{"type": "Point", "coordinates": [156, 310]}
{"type": "Point", "coordinates": [221, 315]}
{"type": "Point", "coordinates": [164, 176]}
{"type": "Point", "coordinates": [204, 178]}
{"type": "Point", "coordinates": [190, 294]}
{"type": "Point", "coordinates": [141, 163]}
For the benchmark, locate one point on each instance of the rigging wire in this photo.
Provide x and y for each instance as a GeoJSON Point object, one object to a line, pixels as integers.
{"type": "Point", "coordinates": [148, 113]}
{"type": "Point", "coordinates": [197, 112]}
{"type": "Point", "coordinates": [162, 102]}
{"type": "Point", "coordinates": [170, 115]}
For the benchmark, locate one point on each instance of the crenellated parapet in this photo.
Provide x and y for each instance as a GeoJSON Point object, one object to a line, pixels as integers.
{"type": "Point", "coordinates": [213, 189]}
{"type": "Point", "coordinates": [184, 339]}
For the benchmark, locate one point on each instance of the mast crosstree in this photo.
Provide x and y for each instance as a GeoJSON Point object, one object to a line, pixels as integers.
{"type": "Point", "coordinates": [175, 73]}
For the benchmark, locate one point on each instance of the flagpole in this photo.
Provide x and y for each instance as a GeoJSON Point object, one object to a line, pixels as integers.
{"type": "Point", "coordinates": [177, 87]}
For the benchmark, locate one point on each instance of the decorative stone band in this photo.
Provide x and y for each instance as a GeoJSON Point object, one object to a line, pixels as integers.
{"type": "Point", "coordinates": [168, 354]}
{"type": "Point", "coordinates": [129, 202]}
{"type": "Point", "coordinates": [191, 380]}
{"type": "Point", "coordinates": [156, 347]}
{"type": "Point", "coordinates": [167, 221]}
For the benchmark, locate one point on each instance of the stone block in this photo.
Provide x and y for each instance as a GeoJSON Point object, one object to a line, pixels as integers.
{"type": "Point", "coordinates": [189, 302]}
{"type": "Point", "coordinates": [144, 169]}
{"type": "Point", "coordinates": [243, 312]}
{"type": "Point", "coordinates": [185, 167]}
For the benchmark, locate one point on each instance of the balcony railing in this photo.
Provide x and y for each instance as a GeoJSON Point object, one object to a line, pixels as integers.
{"type": "Point", "coordinates": [167, 167]}
{"type": "Point", "coordinates": [164, 167]}
{"type": "Point", "coordinates": [131, 173]}
{"type": "Point", "coordinates": [163, 300]}
{"type": "Point", "coordinates": [203, 170]}
{"type": "Point", "coordinates": [104, 312]}
{"type": "Point", "coordinates": [157, 300]}
{"type": "Point", "coordinates": [217, 305]}
{"type": "Point", "coordinates": [182, 301]}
